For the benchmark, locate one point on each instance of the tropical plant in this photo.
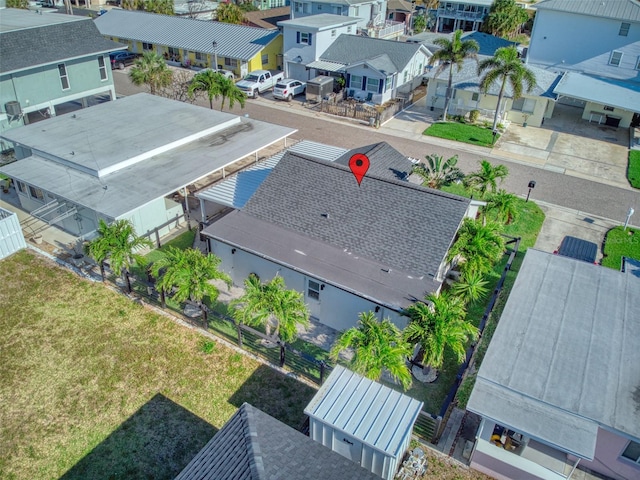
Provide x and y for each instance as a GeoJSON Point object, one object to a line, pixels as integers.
{"type": "Point", "coordinates": [187, 274]}
{"type": "Point", "coordinates": [118, 243]}
{"type": "Point", "coordinates": [419, 23]}
{"type": "Point", "coordinates": [477, 247]}
{"type": "Point", "coordinates": [152, 71]}
{"type": "Point", "coordinates": [264, 304]}
{"type": "Point", "coordinates": [437, 325]}
{"type": "Point", "coordinates": [503, 205]}
{"type": "Point", "coordinates": [18, 4]}
{"type": "Point", "coordinates": [438, 172]}
{"type": "Point", "coordinates": [377, 345]}
{"type": "Point", "coordinates": [471, 287]}
{"type": "Point", "coordinates": [452, 52]}
{"type": "Point", "coordinates": [228, 12]}
{"type": "Point", "coordinates": [505, 18]}
{"type": "Point", "coordinates": [153, 6]}
{"type": "Point", "coordinates": [505, 66]}
{"type": "Point", "coordinates": [486, 177]}
{"type": "Point", "coordinates": [216, 85]}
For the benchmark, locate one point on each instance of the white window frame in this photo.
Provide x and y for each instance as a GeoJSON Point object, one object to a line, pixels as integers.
{"type": "Point", "coordinates": [265, 58]}
{"type": "Point", "coordinates": [624, 29]}
{"type": "Point", "coordinates": [230, 62]}
{"type": "Point", "coordinates": [147, 47]}
{"type": "Point", "coordinates": [333, 33]}
{"type": "Point", "coordinates": [22, 187]}
{"type": "Point", "coordinates": [304, 38]}
{"type": "Point", "coordinates": [298, 7]}
{"type": "Point", "coordinates": [36, 193]}
{"type": "Point", "coordinates": [306, 8]}
{"type": "Point", "coordinates": [200, 57]}
{"type": "Point", "coordinates": [64, 76]}
{"type": "Point", "coordinates": [313, 289]}
{"type": "Point", "coordinates": [633, 445]}
{"type": "Point", "coordinates": [349, 28]}
{"type": "Point", "coordinates": [369, 85]}
{"type": "Point", "coordinates": [612, 59]}
{"type": "Point", "coordinates": [351, 82]}
{"type": "Point", "coordinates": [102, 68]}
{"type": "Point", "coordinates": [441, 89]}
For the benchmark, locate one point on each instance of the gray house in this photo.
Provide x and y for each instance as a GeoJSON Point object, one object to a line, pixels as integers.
{"type": "Point", "coordinates": [255, 446]}
{"type": "Point", "coordinates": [49, 63]}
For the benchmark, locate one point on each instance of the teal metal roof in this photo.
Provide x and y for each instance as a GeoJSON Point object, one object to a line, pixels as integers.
{"type": "Point", "coordinates": [234, 41]}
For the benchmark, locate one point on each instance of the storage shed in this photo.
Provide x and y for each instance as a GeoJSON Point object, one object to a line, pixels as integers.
{"type": "Point", "coordinates": [319, 88]}
{"type": "Point", "coordinates": [11, 238]}
{"type": "Point", "coordinates": [362, 420]}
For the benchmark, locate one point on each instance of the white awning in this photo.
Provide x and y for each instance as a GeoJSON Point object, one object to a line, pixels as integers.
{"type": "Point", "coordinates": [605, 91]}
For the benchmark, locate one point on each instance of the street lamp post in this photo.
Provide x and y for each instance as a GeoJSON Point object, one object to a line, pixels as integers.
{"type": "Point", "coordinates": [629, 213]}
{"type": "Point", "coordinates": [532, 185]}
{"type": "Point", "coordinates": [215, 55]}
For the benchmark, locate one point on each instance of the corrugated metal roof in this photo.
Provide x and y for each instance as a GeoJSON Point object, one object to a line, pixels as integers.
{"type": "Point", "coordinates": [605, 91]}
{"type": "Point", "coordinates": [236, 190]}
{"type": "Point", "coordinates": [378, 416]}
{"type": "Point", "coordinates": [625, 10]}
{"type": "Point", "coordinates": [326, 66]}
{"type": "Point", "coordinates": [233, 41]}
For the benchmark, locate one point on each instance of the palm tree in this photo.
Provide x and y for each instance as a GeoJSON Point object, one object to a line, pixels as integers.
{"type": "Point", "coordinates": [452, 52]}
{"type": "Point", "coordinates": [151, 70]}
{"type": "Point", "coordinates": [228, 12]}
{"type": "Point", "coordinates": [437, 325]}
{"type": "Point", "coordinates": [479, 246]}
{"type": "Point", "coordinates": [119, 243]}
{"type": "Point", "coordinates": [486, 177]}
{"type": "Point", "coordinates": [505, 66]}
{"type": "Point", "coordinates": [229, 90]}
{"type": "Point", "coordinates": [215, 85]}
{"type": "Point", "coordinates": [504, 206]}
{"type": "Point", "coordinates": [471, 287]}
{"type": "Point", "coordinates": [376, 345]}
{"type": "Point", "coordinates": [505, 18]}
{"type": "Point", "coordinates": [187, 274]}
{"type": "Point", "coordinates": [271, 302]}
{"type": "Point", "coordinates": [437, 172]}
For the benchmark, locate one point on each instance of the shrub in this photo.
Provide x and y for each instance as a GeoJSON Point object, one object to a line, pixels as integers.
{"type": "Point", "coordinates": [207, 346]}
{"type": "Point", "coordinates": [473, 116]}
{"type": "Point", "coordinates": [633, 172]}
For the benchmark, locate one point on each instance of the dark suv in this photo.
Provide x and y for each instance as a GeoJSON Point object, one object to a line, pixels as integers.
{"type": "Point", "coordinates": [120, 60]}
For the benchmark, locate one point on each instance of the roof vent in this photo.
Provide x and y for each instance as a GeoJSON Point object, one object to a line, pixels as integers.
{"type": "Point", "coordinates": [325, 215]}
{"type": "Point", "coordinates": [13, 108]}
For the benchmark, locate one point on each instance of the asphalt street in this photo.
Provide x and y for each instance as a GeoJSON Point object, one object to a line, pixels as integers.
{"type": "Point", "coordinates": [584, 196]}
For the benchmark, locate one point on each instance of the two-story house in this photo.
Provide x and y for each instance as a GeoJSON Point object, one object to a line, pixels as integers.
{"type": "Point", "coordinates": [372, 14]}
{"type": "Point", "coordinates": [47, 61]}
{"type": "Point", "coordinates": [597, 44]}
{"type": "Point", "coordinates": [465, 15]}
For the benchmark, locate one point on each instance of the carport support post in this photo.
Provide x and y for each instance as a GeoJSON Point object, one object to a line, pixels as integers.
{"type": "Point", "coordinates": [239, 334]}
{"type": "Point", "coordinates": [282, 354]}
{"type": "Point", "coordinates": [186, 207]}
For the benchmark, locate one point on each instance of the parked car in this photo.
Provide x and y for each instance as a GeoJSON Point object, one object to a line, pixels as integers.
{"type": "Point", "coordinates": [226, 73]}
{"type": "Point", "coordinates": [288, 88]}
{"type": "Point", "coordinates": [578, 248]}
{"type": "Point", "coordinates": [259, 81]}
{"type": "Point", "coordinates": [120, 60]}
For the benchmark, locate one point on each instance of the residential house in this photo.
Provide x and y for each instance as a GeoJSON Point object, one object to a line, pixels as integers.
{"type": "Point", "coordinates": [271, 4]}
{"type": "Point", "coordinates": [253, 445]}
{"type": "Point", "coordinates": [488, 44]}
{"type": "Point", "coordinates": [197, 43]}
{"type": "Point", "coordinates": [305, 39]}
{"type": "Point", "coordinates": [267, 18]}
{"type": "Point", "coordinates": [465, 15]}
{"type": "Point", "coordinates": [50, 63]}
{"type": "Point", "coordinates": [558, 387]}
{"type": "Point", "coordinates": [400, 11]}
{"type": "Point", "coordinates": [597, 44]}
{"type": "Point", "coordinates": [362, 420]}
{"type": "Point", "coordinates": [532, 108]}
{"type": "Point", "coordinates": [348, 248]}
{"type": "Point", "coordinates": [125, 160]}
{"type": "Point", "coordinates": [372, 15]}
{"type": "Point", "coordinates": [375, 70]}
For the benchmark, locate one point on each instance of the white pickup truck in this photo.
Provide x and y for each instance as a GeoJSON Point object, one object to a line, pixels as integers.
{"type": "Point", "coordinates": [259, 81]}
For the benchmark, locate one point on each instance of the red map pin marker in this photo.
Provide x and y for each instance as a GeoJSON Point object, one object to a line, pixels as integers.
{"type": "Point", "coordinates": [359, 164]}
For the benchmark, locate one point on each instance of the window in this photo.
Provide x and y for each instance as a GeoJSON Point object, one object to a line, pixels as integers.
{"type": "Point", "coordinates": [22, 188]}
{"type": "Point", "coordinates": [297, 7]}
{"type": "Point", "coordinates": [607, 108]}
{"type": "Point", "coordinates": [304, 38]}
{"type": "Point", "coordinates": [64, 78]}
{"type": "Point", "coordinates": [174, 54]}
{"type": "Point", "coordinates": [356, 12]}
{"type": "Point", "coordinates": [632, 452]}
{"type": "Point", "coordinates": [306, 8]}
{"type": "Point", "coordinates": [475, 96]}
{"type": "Point", "coordinates": [313, 290]}
{"type": "Point", "coordinates": [524, 105]}
{"type": "Point", "coordinates": [372, 85]}
{"type": "Point", "coordinates": [230, 62]}
{"type": "Point", "coordinates": [338, 11]}
{"type": "Point", "coordinates": [349, 29]}
{"type": "Point", "coordinates": [638, 63]}
{"type": "Point", "coordinates": [319, 7]}
{"type": "Point", "coordinates": [333, 33]}
{"type": "Point", "coordinates": [441, 89]}
{"type": "Point", "coordinates": [624, 29]}
{"type": "Point", "coordinates": [388, 83]}
{"type": "Point", "coordinates": [202, 57]}
{"type": "Point", "coordinates": [102, 67]}
{"type": "Point", "coordinates": [147, 46]}
{"type": "Point", "coordinates": [616, 57]}
{"type": "Point", "coordinates": [356, 82]}
{"type": "Point", "coordinates": [265, 58]}
{"type": "Point", "coordinates": [36, 193]}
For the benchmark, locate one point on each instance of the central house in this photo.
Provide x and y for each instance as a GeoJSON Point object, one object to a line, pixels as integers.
{"type": "Point", "coordinates": [378, 246]}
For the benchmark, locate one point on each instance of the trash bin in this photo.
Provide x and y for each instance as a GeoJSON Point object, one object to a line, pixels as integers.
{"type": "Point", "coordinates": [372, 121]}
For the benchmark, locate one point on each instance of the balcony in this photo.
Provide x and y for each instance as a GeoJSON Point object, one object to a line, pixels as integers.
{"type": "Point", "coordinates": [388, 29]}
{"type": "Point", "coordinates": [460, 14]}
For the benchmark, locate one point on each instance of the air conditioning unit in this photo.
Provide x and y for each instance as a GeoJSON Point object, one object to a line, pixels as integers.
{"type": "Point", "coordinates": [13, 108]}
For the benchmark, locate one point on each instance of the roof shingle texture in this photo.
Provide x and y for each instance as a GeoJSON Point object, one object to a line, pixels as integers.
{"type": "Point", "coordinates": [400, 225]}
{"type": "Point", "coordinates": [41, 45]}
{"type": "Point", "coordinates": [348, 49]}
{"type": "Point", "coordinates": [232, 41]}
{"type": "Point", "coordinates": [255, 446]}
{"type": "Point", "coordinates": [625, 10]}
{"type": "Point", "coordinates": [385, 161]}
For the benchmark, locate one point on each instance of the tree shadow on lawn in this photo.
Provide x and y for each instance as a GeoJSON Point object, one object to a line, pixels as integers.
{"type": "Point", "coordinates": [156, 442]}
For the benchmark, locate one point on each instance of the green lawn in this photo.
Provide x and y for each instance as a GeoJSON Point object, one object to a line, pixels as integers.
{"type": "Point", "coordinates": [619, 243]}
{"type": "Point", "coordinates": [633, 172]}
{"type": "Point", "coordinates": [182, 242]}
{"type": "Point", "coordinates": [462, 132]}
{"type": "Point", "coordinates": [96, 386]}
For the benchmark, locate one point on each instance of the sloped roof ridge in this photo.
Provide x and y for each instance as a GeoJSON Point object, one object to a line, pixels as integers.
{"type": "Point", "coordinates": [256, 462]}
{"type": "Point", "coordinates": [399, 183]}
{"type": "Point", "coordinates": [598, 8]}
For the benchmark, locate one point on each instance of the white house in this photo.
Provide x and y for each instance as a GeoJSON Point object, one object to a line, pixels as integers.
{"type": "Point", "coordinates": [465, 15]}
{"type": "Point", "coordinates": [125, 159]}
{"type": "Point", "coordinates": [306, 38]}
{"type": "Point", "coordinates": [558, 388]}
{"type": "Point", "coordinates": [598, 44]}
{"type": "Point", "coordinates": [348, 248]}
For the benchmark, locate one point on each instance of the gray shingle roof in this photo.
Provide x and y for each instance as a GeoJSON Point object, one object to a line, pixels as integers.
{"type": "Point", "coordinates": [42, 44]}
{"type": "Point", "coordinates": [349, 49]}
{"type": "Point", "coordinates": [625, 10]}
{"type": "Point", "coordinates": [234, 41]}
{"type": "Point", "coordinates": [255, 446]}
{"type": "Point", "coordinates": [385, 161]}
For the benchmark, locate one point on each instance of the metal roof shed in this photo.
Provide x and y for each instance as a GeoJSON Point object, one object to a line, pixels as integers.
{"type": "Point", "coordinates": [11, 238]}
{"type": "Point", "coordinates": [362, 420]}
